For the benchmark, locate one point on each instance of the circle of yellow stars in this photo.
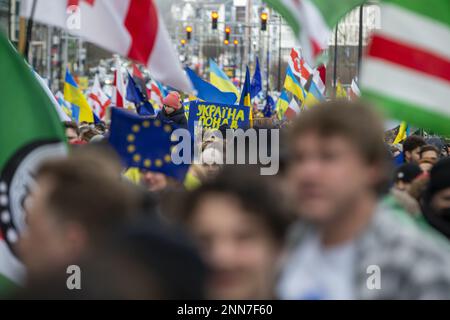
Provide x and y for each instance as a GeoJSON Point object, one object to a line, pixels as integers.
{"type": "Point", "coordinates": [131, 147]}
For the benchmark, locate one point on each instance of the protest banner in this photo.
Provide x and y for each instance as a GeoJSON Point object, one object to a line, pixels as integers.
{"type": "Point", "coordinates": [211, 115]}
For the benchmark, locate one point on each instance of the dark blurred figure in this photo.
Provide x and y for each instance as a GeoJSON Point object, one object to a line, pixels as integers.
{"type": "Point", "coordinates": [145, 260]}
{"type": "Point", "coordinates": [405, 175]}
{"type": "Point", "coordinates": [411, 148]}
{"type": "Point", "coordinates": [239, 223]}
{"type": "Point", "coordinates": [347, 245]}
{"type": "Point", "coordinates": [436, 199]}
{"type": "Point", "coordinates": [76, 204]}
{"type": "Point", "coordinates": [72, 131]}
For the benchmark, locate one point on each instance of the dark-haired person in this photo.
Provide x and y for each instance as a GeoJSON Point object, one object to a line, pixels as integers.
{"type": "Point", "coordinates": [239, 225]}
{"type": "Point", "coordinates": [72, 131]}
{"type": "Point", "coordinates": [348, 245]}
{"type": "Point", "coordinates": [411, 148]}
{"type": "Point", "coordinates": [430, 153]}
{"type": "Point", "coordinates": [76, 203]}
{"type": "Point", "coordinates": [405, 175]}
{"type": "Point", "coordinates": [436, 199]}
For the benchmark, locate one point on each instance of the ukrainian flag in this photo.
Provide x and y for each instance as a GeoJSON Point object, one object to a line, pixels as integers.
{"type": "Point", "coordinates": [314, 96]}
{"type": "Point", "coordinates": [340, 91]}
{"type": "Point", "coordinates": [282, 104]}
{"type": "Point", "coordinates": [292, 85]}
{"type": "Point", "coordinates": [81, 111]}
{"type": "Point", "coordinates": [220, 80]}
{"type": "Point", "coordinates": [402, 133]}
{"type": "Point", "coordinates": [246, 99]}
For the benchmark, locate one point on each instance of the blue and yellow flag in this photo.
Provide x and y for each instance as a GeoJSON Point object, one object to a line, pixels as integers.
{"type": "Point", "coordinates": [313, 97]}
{"type": "Point", "coordinates": [81, 111]}
{"type": "Point", "coordinates": [292, 85]}
{"type": "Point", "coordinates": [402, 133]}
{"type": "Point", "coordinates": [246, 99]}
{"type": "Point", "coordinates": [206, 91]}
{"type": "Point", "coordinates": [220, 80]}
{"type": "Point", "coordinates": [282, 104]}
{"type": "Point", "coordinates": [145, 143]}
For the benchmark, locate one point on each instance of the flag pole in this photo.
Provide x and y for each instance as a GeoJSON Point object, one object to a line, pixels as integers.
{"type": "Point", "coordinates": [335, 55]}
{"type": "Point", "coordinates": [25, 38]}
{"type": "Point", "coordinates": [360, 38]}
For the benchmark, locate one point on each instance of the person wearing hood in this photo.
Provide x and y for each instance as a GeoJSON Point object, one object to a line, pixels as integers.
{"type": "Point", "coordinates": [173, 110]}
{"type": "Point", "coordinates": [436, 198]}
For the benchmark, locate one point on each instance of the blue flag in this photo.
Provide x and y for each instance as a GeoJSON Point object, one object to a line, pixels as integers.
{"type": "Point", "coordinates": [269, 108]}
{"type": "Point", "coordinates": [134, 94]}
{"type": "Point", "coordinates": [256, 84]}
{"type": "Point", "coordinates": [144, 143]}
{"type": "Point", "coordinates": [206, 91]}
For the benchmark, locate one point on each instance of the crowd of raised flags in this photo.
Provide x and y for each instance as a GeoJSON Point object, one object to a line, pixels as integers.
{"type": "Point", "coordinates": [406, 72]}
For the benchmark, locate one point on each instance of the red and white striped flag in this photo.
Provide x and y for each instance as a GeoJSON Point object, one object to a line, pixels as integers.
{"type": "Point", "coordinates": [407, 68]}
{"type": "Point", "coordinates": [119, 88]}
{"type": "Point", "coordinates": [293, 110]}
{"type": "Point", "coordinates": [98, 100]}
{"type": "Point", "coordinates": [133, 29]}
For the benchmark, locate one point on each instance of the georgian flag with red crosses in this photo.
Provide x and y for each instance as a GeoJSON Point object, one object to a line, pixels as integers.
{"type": "Point", "coordinates": [131, 28]}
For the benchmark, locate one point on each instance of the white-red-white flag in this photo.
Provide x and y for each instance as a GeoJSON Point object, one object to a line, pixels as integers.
{"type": "Point", "coordinates": [98, 99]}
{"type": "Point", "coordinates": [130, 28]}
{"type": "Point", "coordinates": [155, 93]}
{"type": "Point", "coordinates": [119, 88]}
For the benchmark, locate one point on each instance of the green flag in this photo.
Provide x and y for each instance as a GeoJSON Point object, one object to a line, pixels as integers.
{"type": "Point", "coordinates": [30, 131]}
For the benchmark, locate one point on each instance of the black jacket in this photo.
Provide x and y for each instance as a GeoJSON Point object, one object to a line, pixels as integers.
{"type": "Point", "coordinates": [177, 117]}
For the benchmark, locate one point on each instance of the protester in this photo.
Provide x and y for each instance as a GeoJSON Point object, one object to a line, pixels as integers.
{"type": "Point", "coordinates": [436, 198]}
{"type": "Point", "coordinates": [345, 237]}
{"type": "Point", "coordinates": [405, 175]}
{"type": "Point", "coordinates": [239, 224]}
{"type": "Point", "coordinates": [430, 153]}
{"type": "Point", "coordinates": [72, 131]}
{"type": "Point", "coordinates": [411, 148]}
{"type": "Point", "coordinates": [173, 110]}
{"type": "Point", "coordinates": [76, 205]}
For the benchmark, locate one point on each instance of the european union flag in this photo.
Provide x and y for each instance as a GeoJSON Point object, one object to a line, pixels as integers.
{"type": "Point", "coordinates": [145, 143]}
{"type": "Point", "coordinates": [134, 94]}
{"type": "Point", "coordinates": [269, 108]}
{"type": "Point", "coordinates": [256, 84]}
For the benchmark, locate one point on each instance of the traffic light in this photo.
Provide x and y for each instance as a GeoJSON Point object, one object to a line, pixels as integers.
{"type": "Point", "coordinates": [188, 32]}
{"type": "Point", "coordinates": [183, 42]}
{"type": "Point", "coordinates": [236, 42]}
{"type": "Point", "coordinates": [264, 17]}
{"type": "Point", "coordinates": [227, 34]}
{"type": "Point", "coordinates": [226, 42]}
{"type": "Point", "coordinates": [214, 18]}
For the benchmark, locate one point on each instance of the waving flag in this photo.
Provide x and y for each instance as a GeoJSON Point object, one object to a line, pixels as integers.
{"type": "Point", "coordinates": [135, 95]}
{"type": "Point", "coordinates": [220, 80]}
{"type": "Point", "coordinates": [256, 84]}
{"type": "Point", "coordinates": [133, 29]}
{"type": "Point", "coordinates": [313, 20]}
{"type": "Point", "coordinates": [145, 143]}
{"type": "Point", "coordinates": [119, 88]}
{"type": "Point", "coordinates": [81, 111]}
{"type": "Point", "coordinates": [293, 110]}
{"type": "Point", "coordinates": [407, 69]}
{"type": "Point", "coordinates": [282, 104]}
{"type": "Point", "coordinates": [30, 132]}
{"type": "Point", "coordinates": [340, 91]}
{"type": "Point", "coordinates": [208, 92]}
{"type": "Point", "coordinates": [314, 96]}
{"type": "Point", "coordinates": [355, 93]}
{"type": "Point", "coordinates": [98, 99]}
{"type": "Point", "coordinates": [269, 107]}
{"type": "Point", "coordinates": [292, 85]}
{"type": "Point", "coordinates": [245, 95]}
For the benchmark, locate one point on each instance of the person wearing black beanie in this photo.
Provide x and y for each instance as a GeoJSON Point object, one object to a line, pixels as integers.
{"type": "Point", "coordinates": [436, 199]}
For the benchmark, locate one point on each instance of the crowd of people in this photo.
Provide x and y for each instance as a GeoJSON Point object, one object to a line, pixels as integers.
{"type": "Point", "coordinates": [342, 219]}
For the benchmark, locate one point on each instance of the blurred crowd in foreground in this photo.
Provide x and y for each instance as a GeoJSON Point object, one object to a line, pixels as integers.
{"type": "Point", "coordinates": [339, 220]}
